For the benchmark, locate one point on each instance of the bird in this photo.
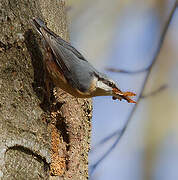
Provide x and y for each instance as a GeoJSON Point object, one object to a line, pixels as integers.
{"type": "Point", "coordinates": [68, 69]}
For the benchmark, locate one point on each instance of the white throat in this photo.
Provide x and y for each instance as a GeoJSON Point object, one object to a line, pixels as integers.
{"type": "Point", "coordinates": [103, 87]}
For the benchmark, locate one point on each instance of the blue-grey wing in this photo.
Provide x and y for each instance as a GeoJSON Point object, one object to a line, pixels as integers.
{"type": "Point", "coordinates": [76, 69]}
{"type": "Point", "coordinates": [39, 24]}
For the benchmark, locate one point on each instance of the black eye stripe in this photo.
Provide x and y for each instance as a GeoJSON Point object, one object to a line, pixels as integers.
{"type": "Point", "coordinates": [109, 83]}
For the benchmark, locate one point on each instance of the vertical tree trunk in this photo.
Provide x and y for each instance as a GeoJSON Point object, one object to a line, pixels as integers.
{"type": "Point", "coordinates": [36, 143]}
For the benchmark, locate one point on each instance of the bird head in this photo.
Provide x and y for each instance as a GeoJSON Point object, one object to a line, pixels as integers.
{"type": "Point", "coordinates": [107, 87]}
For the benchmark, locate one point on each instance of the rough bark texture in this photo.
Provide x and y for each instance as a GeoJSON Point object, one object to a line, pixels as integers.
{"type": "Point", "coordinates": [36, 143]}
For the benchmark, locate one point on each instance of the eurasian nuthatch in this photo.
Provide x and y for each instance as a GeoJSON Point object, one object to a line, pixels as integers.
{"type": "Point", "coordinates": [70, 71]}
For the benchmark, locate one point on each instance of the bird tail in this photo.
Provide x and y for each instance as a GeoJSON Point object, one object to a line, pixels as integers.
{"type": "Point", "coordinates": [38, 24]}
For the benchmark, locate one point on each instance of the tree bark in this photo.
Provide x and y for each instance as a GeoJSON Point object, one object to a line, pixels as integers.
{"type": "Point", "coordinates": [37, 142]}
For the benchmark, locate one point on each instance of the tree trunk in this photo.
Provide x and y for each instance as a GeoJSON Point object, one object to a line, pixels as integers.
{"type": "Point", "coordinates": [37, 142]}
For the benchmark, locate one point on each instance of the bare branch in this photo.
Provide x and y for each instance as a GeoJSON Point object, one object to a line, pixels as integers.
{"type": "Point", "coordinates": [153, 93]}
{"type": "Point", "coordinates": [128, 72]}
{"type": "Point", "coordinates": [121, 132]}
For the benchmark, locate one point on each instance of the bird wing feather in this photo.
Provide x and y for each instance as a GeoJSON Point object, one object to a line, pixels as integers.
{"type": "Point", "coordinates": [68, 59]}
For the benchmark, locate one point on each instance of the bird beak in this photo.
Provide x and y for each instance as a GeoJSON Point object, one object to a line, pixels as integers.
{"type": "Point", "coordinates": [118, 94]}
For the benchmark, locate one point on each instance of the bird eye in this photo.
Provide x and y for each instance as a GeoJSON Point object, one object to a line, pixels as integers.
{"type": "Point", "coordinates": [110, 84]}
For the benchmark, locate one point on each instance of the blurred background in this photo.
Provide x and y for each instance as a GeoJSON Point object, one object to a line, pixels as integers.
{"type": "Point", "coordinates": [127, 35]}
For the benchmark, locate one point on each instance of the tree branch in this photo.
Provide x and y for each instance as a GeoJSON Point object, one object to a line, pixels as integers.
{"type": "Point", "coordinates": [120, 132]}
